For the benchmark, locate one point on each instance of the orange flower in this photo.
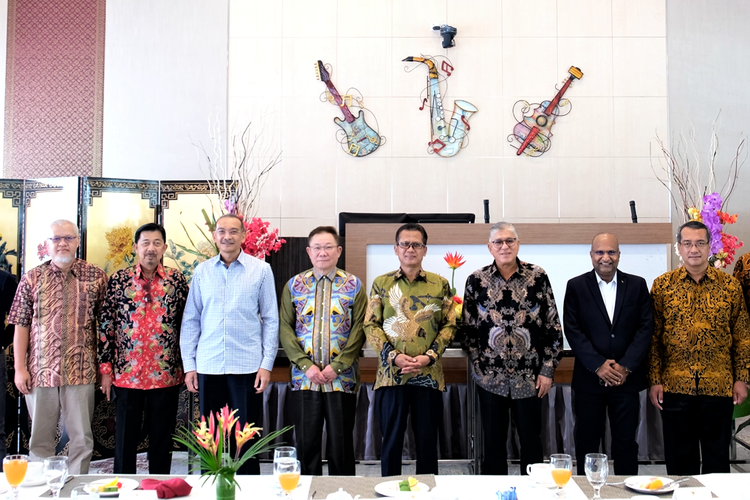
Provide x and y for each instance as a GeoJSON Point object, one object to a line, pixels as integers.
{"type": "Point", "coordinates": [245, 435]}
{"type": "Point", "coordinates": [454, 260]}
{"type": "Point", "coordinates": [725, 218]}
{"type": "Point", "coordinates": [226, 419]}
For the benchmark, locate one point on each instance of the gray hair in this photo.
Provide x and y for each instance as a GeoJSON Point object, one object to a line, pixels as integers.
{"type": "Point", "coordinates": [500, 226]}
{"type": "Point", "coordinates": [62, 222]}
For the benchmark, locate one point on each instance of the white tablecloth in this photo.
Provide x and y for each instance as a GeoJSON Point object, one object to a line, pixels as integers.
{"type": "Point", "coordinates": [725, 486]}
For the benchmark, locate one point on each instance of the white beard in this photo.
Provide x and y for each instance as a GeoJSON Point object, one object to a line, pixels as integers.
{"type": "Point", "coordinates": [58, 259]}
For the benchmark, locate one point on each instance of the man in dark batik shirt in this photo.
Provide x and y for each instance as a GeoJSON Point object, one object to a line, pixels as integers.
{"type": "Point", "coordinates": [512, 333]}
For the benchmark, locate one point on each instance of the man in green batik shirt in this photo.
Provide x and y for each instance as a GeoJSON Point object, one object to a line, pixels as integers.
{"type": "Point", "coordinates": [320, 327]}
{"type": "Point", "coordinates": [410, 320]}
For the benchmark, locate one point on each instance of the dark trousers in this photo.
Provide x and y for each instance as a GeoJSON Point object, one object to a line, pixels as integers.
{"type": "Point", "coordinates": [237, 391]}
{"type": "Point", "coordinates": [337, 409]}
{"type": "Point", "coordinates": [690, 421]}
{"type": "Point", "coordinates": [527, 414]}
{"type": "Point", "coordinates": [393, 406]}
{"type": "Point", "coordinates": [160, 406]}
{"type": "Point", "coordinates": [3, 383]}
{"type": "Point", "coordinates": [624, 409]}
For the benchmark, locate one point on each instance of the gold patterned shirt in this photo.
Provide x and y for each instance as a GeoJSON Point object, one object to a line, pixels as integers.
{"type": "Point", "coordinates": [742, 273]}
{"type": "Point", "coordinates": [701, 342]}
{"type": "Point", "coordinates": [61, 311]}
{"type": "Point", "coordinates": [410, 317]}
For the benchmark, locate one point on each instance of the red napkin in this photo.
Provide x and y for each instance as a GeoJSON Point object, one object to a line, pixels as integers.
{"type": "Point", "coordinates": [167, 489]}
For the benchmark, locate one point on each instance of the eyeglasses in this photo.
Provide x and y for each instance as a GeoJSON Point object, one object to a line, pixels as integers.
{"type": "Point", "coordinates": [700, 244]}
{"type": "Point", "coordinates": [327, 248]}
{"type": "Point", "coordinates": [58, 239]}
{"type": "Point", "coordinates": [602, 253]}
{"type": "Point", "coordinates": [411, 244]}
{"type": "Point", "coordinates": [499, 243]}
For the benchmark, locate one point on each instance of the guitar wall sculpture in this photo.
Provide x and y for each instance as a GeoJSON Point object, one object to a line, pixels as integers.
{"type": "Point", "coordinates": [359, 139]}
{"type": "Point", "coordinates": [447, 137]}
{"type": "Point", "coordinates": [533, 129]}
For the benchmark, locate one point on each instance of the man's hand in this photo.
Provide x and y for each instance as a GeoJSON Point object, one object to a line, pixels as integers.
{"type": "Point", "coordinates": [191, 381]}
{"type": "Point", "coordinates": [23, 380]}
{"type": "Point", "coordinates": [262, 378]}
{"type": "Point", "coordinates": [609, 374]}
{"type": "Point", "coordinates": [106, 384]}
{"type": "Point", "coordinates": [656, 395]}
{"type": "Point", "coordinates": [411, 365]}
{"type": "Point", "coordinates": [739, 392]}
{"type": "Point", "coordinates": [624, 372]}
{"type": "Point", "coordinates": [315, 375]}
{"type": "Point", "coordinates": [329, 374]}
{"type": "Point", "coordinates": [543, 384]}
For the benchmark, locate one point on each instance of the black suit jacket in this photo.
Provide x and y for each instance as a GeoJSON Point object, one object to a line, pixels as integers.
{"type": "Point", "coordinates": [7, 292]}
{"type": "Point", "coordinates": [594, 339]}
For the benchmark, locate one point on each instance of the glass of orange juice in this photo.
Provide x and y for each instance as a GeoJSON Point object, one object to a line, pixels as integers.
{"type": "Point", "coordinates": [562, 469]}
{"type": "Point", "coordinates": [287, 470]}
{"type": "Point", "coordinates": [14, 467]}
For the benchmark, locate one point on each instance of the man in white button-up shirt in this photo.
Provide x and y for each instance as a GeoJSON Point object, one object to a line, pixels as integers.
{"type": "Point", "coordinates": [230, 329]}
{"type": "Point", "coordinates": [608, 321]}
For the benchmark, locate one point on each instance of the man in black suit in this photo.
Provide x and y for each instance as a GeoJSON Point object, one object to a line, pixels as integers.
{"type": "Point", "coordinates": [608, 320]}
{"type": "Point", "coordinates": [7, 292]}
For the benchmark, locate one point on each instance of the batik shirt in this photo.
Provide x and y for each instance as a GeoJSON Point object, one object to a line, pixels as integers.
{"type": "Point", "coordinates": [742, 273]}
{"type": "Point", "coordinates": [410, 318]}
{"type": "Point", "coordinates": [511, 329]}
{"type": "Point", "coordinates": [61, 310]}
{"type": "Point", "coordinates": [320, 320]}
{"type": "Point", "coordinates": [140, 328]}
{"type": "Point", "coordinates": [701, 342]}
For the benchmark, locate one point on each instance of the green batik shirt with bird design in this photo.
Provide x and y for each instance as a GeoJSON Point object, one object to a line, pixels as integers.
{"type": "Point", "coordinates": [411, 318]}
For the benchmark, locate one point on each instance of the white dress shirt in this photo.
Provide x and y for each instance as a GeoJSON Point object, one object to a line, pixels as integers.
{"type": "Point", "coordinates": [609, 293]}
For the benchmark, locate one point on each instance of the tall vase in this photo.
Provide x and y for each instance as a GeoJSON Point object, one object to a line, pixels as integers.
{"type": "Point", "coordinates": [225, 487]}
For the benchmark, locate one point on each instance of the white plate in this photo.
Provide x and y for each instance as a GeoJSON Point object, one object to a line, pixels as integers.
{"type": "Point", "coordinates": [126, 485]}
{"type": "Point", "coordinates": [390, 488]}
{"type": "Point", "coordinates": [636, 483]}
{"type": "Point", "coordinates": [542, 485]}
{"type": "Point", "coordinates": [34, 481]}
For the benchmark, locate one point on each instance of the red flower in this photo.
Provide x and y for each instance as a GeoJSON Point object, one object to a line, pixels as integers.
{"type": "Point", "coordinates": [259, 241]}
{"type": "Point", "coordinates": [457, 299]}
{"type": "Point", "coordinates": [454, 260]}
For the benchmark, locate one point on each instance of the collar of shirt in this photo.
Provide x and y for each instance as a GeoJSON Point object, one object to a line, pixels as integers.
{"type": "Point", "coordinates": [421, 276]}
{"type": "Point", "coordinates": [159, 272]}
{"type": "Point", "coordinates": [710, 274]}
{"type": "Point", "coordinates": [330, 275]}
{"type": "Point", "coordinates": [519, 269]}
{"type": "Point", "coordinates": [74, 269]}
{"type": "Point", "coordinates": [241, 259]}
{"type": "Point", "coordinates": [599, 279]}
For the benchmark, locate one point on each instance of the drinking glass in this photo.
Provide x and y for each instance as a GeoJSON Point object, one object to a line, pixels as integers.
{"type": "Point", "coordinates": [56, 472]}
{"type": "Point", "coordinates": [597, 470]}
{"type": "Point", "coordinates": [15, 470]}
{"type": "Point", "coordinates": [562, 469]}
{"type": "Point", "coordinates": [285, 452]}
{"type": "Point", "coordinates": [287, 471]}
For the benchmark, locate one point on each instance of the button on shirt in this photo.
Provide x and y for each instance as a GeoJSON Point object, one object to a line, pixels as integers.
{"type": "Point", "coordinates": [230, 324]}
{"type": "Point", "coordinates": [609, 294]}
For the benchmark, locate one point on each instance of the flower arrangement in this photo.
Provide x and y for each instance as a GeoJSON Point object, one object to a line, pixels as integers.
{"type": "Point", "coordinates": [454, 261]}
{"type": "Point", "coordinates": [209, 441]}
{"type": "Point", "coordinates": [120, 244]}
{"type": "Point", "coordinates": [694, 193]}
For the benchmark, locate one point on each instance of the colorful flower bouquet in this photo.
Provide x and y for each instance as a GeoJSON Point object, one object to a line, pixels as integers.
{"type": "Point", "coordinates": [454, 261]}
{"type": "Point", "coordinates": [723, 245]}
{"type": "Point", "coordinates": [210, 443]}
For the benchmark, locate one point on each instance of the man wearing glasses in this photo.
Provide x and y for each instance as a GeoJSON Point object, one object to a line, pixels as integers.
{"type": "Point", "coordinates": [55, 313]}
{"type": "Point", "coordinates": [609, 322]}
{"type": "Point", "coordinates": [512, 333]}
{"type": "Point", "coordinates": [699, 358]}
{"type": "Point", "coordinates": [410, 321]}
{"type": "Point", "coordinates": [321, 317]}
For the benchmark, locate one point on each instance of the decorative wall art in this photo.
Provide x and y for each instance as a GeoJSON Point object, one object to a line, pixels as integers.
{"type": "Point", "coordinates": [447, 138]}
{"type": "Point", "coordinates": [356, 137]}
{"type": "Point", "coordinates": [533, 129]}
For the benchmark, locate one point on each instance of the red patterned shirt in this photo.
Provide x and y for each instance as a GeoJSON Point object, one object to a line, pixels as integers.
{"type": "Point", "coordinates": [140, 328]}
{"type": "Point", "coordinates": [60, 310]}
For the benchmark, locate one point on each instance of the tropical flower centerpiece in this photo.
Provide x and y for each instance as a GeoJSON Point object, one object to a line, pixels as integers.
{"type": "Point", "coordinates": [210, 441]}
{"type": "Point", "coordinates": [454, 261]}
{"type": "Point", "coordinates": [695, 196]}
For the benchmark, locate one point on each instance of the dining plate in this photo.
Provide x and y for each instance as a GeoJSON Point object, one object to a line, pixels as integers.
{"type": "Point", "coordinates": [126, 484]}
{"type": "Point", "coordinates": [639, 484]}
{"type": "Point", "coordinates": [34, 481]}
{"type": "Point", "coordinates": [390, 488]}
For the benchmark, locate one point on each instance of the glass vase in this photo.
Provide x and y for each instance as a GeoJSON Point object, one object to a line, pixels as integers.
{"type": "Point", "coordinates": [225, 487]}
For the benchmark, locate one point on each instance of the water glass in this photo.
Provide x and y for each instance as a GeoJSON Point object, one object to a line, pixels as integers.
{"type": "Point", "coordinates": [597, 470]}
{"type": "Point", "coordinates": [15, 471]}
{"type": "Point", "coordinates": [562, 469]}
{"type": "Point", "coordinates": [56, 472]}
{"type": "Point", "coordinates": [285, 452]}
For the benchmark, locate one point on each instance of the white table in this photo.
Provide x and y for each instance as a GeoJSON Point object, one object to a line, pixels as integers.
{"type": "Point", "coordinates": [725, 486]}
